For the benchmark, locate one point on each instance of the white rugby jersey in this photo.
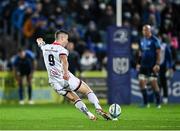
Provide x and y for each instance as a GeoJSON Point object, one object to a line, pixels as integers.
{"type": "Point", "coordinates": [51, 55]}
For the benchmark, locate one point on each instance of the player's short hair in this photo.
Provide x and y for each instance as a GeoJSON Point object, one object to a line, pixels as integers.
{"type": "Point", "coordinates": [20, 49]}
{"type": "Point", "coordinates": [60, 32]}
{"type": "Point", "coordinates": [148, 27]}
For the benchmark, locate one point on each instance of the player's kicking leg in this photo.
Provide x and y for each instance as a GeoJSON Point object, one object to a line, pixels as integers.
{"type": "Point", "coordinates": [85, 89]}
{"type": "Point", "coordinates": [72, 96]}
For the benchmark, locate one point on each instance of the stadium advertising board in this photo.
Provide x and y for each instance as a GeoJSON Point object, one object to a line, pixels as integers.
{"type": "Point", "coordinates": [41, 91]}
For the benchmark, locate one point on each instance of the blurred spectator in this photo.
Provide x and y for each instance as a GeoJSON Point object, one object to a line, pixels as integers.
{"type": "Point", "coordinates": [129, 9]}
{"type": "Point", "coordinates": [167, 23]}
{"type": "Point", "coordinates": [3, 61]}
{"type": "Point", "coordinates": [40, 63]}
{"type": "Point", "coordinates": [92, 35]}
{"type": "Point", "coordinates": [24, 20]}
{"type": "Point", "coordinates": [18, 15]}
{"type": "Point", "coordinates": [73, 59]}
{"type": "Point", "coordinates": [86, 11]}
{"type": "Point", "coordinates": [48, 8]}
{"type": "Point", "coordinates": [88, 60]}
{"type": "Point", "coordinates": [166, 65]}
{"type": "Point", "coordinates": [28, 28]}
{"type": "Point", "coordinates": [80, 47]}
{"type": "Point", "coordinates": [75, 33]}
{"type": "Point", "coordinates": [107, 18]}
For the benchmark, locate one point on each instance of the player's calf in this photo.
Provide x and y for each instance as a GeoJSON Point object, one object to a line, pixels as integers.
{"type": "Point", "coordinates": [79, 104]}
{"type": "Point", "coordinates": [86, 90]}
{"type": "Point", "coordinates": [82, 107]}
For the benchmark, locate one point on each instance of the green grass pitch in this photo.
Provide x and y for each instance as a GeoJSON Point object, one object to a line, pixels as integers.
{"type": "Point", "coordinates": [66, 116]}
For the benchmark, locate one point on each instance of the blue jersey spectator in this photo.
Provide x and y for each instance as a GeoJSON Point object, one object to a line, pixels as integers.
{"type": "Point", "coordinates": [23, 66]}
{"type": "Point", "coordinates": [23, 62]}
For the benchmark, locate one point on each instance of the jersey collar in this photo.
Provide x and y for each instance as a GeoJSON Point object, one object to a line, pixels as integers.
{"type": "Point", "coordinates": [56, 43]}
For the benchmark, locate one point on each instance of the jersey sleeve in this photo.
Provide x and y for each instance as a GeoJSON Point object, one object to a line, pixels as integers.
{"type": "Point", "coordinates": [30, 54]}
{"type": "Point", "coordinates": [14, 61]}
{"type": "Point", "coordinates": [63, 51]}
{"type": "Point", "coordinates": [157, 44]}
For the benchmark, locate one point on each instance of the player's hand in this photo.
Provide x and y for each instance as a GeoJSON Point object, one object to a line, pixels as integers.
{"type": "Point", "coordinates": [138, 67]}
{"type": "Point", "coordinates": [66, 76]}
{"type": "Point", "coordinates": [156, 68]}
{"type": "Point", "coordinates": [39, 41]}
{"type": "Point", "coordinates": [169, 73]}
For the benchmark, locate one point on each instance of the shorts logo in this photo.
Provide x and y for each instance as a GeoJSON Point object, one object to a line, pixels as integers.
{"type": "Point", "coordinates": [120, 65]}
{"type": "Point", "coordinates": [120, 36]}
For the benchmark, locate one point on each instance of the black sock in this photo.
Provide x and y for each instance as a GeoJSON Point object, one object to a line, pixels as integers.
{"type": "Point", "coordinates": [30, 92]}
{"type": "Point", "coordinates": [157, 95]}
{"type": "Point", "coordinates": [145, 97]}
{"type": "Point", "coordinates": [20, 92]}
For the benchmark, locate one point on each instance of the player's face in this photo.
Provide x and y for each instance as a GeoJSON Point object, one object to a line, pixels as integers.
{"type": "Point", "coordinates": [64, 39]}
{"type": "Point", "coordinates": [146, 31]}
{"type": "Point", "coordinates": [70, 46]}
{"type": "Point", "coordinates": [21, 54]}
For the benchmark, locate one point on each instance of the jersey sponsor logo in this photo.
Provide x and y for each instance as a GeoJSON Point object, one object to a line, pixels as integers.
{"type": "Point", "coordinates": [54, 72]}
{"type": "Point", "coordinates": [120, 36]}
{"type": "Point", "coordinates": [120, 65]}
{"type": "Point", "coordinates": [51, 50]}
{"type": "Point", "coordinates": [145, 46]}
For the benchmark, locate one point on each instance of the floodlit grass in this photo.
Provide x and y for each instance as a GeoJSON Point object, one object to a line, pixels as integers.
{"type": "Point", "coordinates": [66, 116]}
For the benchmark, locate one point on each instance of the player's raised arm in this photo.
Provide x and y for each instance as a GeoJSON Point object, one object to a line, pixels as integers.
{"type": "Point", "coordinates": [65, 64]}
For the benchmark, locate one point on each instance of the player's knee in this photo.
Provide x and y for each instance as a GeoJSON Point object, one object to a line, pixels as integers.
{"type": "Point", "coordinates": [29, 84]}
{"type": "Point", "coordinates": [85, 88]}
{"type": "Point", "coordinates": [153, 79]}
{"type": "Point", "coordinates": [141, 83]}
{"type": "Point", "coordinates": [71, 96]}
{"type": "Point", "coordinates": [154, 84]}
{"type": "Point", "coordinates": [141, 77]}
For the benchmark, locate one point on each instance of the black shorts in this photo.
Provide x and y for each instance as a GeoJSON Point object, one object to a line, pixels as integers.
{"type": "Point", "coordinates": [147, 72]}
{"type": "Point", "coordinates": [24, 73]}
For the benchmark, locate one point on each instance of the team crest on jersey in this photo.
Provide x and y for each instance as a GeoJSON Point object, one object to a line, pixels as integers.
{"type": "Point", "coordinates": [120, 36]}
{"type": "Point", "coordinates": [120, 65]}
